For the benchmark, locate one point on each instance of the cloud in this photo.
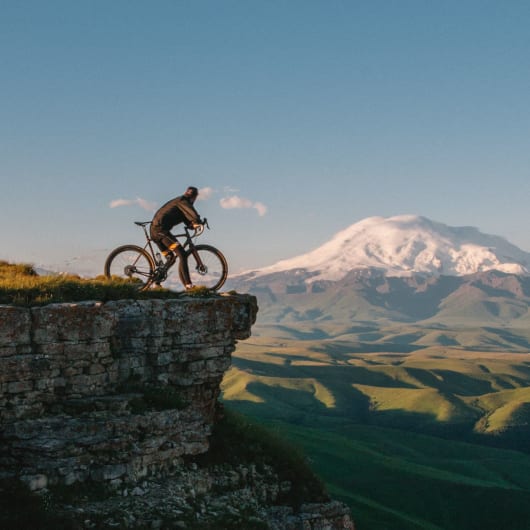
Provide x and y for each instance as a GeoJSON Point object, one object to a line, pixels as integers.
{"type": "Point", "coordinates": [234, 201]}
{"type": "Point", "coordinates": [205, 193]}
{"type": "Point", "coordinates": [262, 209]}
{"type": "Point", "coordinates": [146, 205]}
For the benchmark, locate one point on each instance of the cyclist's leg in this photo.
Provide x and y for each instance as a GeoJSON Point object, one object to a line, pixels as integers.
{"type": "Point", "coordinates": [171, 249]}
{"type": "Point", "coordinates": [157, 235]}
{"type": "Point", "coordinates": [179, 251]}
{"type": "Point", "coordinates": [164, 241]}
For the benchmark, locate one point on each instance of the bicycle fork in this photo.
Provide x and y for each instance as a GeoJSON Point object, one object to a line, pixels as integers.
{"type": "Point", "coordinates": [201, 267]}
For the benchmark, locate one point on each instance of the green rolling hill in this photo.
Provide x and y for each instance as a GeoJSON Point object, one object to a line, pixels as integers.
{"type": "Point", "coordinates": [434, 389]}
{"type": "Point", "coordinates": [411, 433]}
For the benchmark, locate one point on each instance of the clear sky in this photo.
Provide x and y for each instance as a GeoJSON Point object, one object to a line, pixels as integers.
{"type": "Point", "coordinates": [299, 117]}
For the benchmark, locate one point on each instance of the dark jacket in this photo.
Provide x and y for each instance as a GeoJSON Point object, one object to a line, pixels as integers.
{"type": "Point", "coordinates": [175, 211]}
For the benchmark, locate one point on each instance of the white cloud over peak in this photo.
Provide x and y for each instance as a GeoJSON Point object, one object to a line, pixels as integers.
{"type": "Point", "coordinates": [146, 205]}
{"type": "Point", "coordinates": [234, 201]}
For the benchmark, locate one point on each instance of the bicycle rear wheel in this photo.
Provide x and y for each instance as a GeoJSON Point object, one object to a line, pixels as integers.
{"type": "Point", "coordinates": [132, 262]}
{"type": "Point", "coordinates": [209, 271]}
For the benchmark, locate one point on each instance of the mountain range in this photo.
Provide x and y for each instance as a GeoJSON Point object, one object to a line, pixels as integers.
{"type": "Point", "coordinates": [399, 269]}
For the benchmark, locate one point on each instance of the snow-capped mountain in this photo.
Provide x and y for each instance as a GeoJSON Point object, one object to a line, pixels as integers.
{"type": "Point", "coordinates": [404, 245]}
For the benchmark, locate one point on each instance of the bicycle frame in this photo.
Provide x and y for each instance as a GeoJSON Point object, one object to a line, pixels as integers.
{"type": "Point", "coordinates": [188, 243]}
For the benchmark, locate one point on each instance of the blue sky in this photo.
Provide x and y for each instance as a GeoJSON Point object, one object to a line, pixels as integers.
{"type": "Point", "coordinates": [307, 115]}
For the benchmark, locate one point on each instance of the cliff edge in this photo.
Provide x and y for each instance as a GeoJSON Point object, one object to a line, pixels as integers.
{"type": "Point", "coordinates": [120, 397]}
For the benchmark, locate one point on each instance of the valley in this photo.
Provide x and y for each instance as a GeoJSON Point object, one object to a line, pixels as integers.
{"type": "Point", "coordinates": [411, 433]}
{"type": "Point", "coordinates": [474, 394]}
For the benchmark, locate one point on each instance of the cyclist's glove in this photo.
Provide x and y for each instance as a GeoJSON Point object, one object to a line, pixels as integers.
{"type": "Point", "coordinates": [199, 228]}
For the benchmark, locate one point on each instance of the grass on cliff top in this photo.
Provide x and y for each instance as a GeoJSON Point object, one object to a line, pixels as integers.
{"type": "Point", "coordinates": [20, 285]}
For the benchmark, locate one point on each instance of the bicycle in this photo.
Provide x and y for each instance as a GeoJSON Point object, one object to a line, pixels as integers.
{"type": "Point", "coordinates": [207, 265]}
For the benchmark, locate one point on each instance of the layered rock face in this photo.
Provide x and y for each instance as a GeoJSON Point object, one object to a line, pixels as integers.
{"type": "Point", "coordinates": [112, 391]}
{"type": "Point", "coordinates": [123, 396]}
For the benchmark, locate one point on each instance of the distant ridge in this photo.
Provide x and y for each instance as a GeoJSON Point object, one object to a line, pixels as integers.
{"type": "Point", "coordinates": [405, 245]}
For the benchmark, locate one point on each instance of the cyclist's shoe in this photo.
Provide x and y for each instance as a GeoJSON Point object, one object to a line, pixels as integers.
{"type": "Point", "coordinates": [188, 286]}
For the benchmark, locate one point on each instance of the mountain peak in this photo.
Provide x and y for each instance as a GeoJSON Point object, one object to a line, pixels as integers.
{"type": "Point", "coordinates": [404, 245]}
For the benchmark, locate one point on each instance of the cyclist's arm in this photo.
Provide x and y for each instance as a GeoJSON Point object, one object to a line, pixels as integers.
{"type": "Point", "coordinates": [190, 213]}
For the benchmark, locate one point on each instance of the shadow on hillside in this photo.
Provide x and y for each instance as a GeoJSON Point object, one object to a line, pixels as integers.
{"type": "Point", "coordinates": [416, 302]}
{"type": "Point", "coordinates": [367, 347]}
{"type": "Point", "coordinates": [450, 382]}
{"type": "Point", "coordinates": [328, 375]}
{"type": "Point", "coordinates": [289, 406]}
{"type": "Point", "coordinates": [313, 334]}
{"type": "Point", "coordinates": [510, 337]}
{"type": "Point", "coordinates": [349, 403]}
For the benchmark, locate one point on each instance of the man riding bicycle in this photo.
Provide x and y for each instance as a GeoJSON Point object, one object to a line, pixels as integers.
{"type": "Point", "coordinates": [176, 211]}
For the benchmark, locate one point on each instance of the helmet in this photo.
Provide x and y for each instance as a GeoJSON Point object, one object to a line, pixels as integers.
{"type": "Point", "coordinates": [191, 192]}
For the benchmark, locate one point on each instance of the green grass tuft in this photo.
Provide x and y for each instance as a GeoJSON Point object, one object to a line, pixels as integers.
{"type": "Point", "coordinates": [199, 291]}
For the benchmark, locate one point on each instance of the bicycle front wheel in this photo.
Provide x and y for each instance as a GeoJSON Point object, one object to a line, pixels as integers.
{"type": "Point", "coordinates": [131, 262]}
{"type": "Point", "coordinates": [208, 267]}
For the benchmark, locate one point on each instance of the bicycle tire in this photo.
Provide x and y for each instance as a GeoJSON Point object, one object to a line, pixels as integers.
{"type": "Point", "coordinates": [216, 268]}
{"type": "Point", "coordinates": [131, 262]}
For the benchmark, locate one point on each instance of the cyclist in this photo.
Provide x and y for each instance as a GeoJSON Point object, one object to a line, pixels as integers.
{"type": "Point", "coordinates": [176, 211]}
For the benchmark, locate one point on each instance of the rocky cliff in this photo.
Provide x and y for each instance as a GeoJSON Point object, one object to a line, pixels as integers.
{"type": "Point", "coordinates": [122, 395]}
